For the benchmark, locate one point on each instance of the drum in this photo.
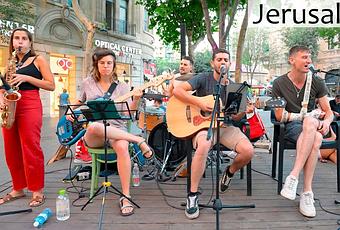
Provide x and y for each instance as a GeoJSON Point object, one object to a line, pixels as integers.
{"type": "Point", "coordinates": [161, 141]}
{"type": "Point", "coordinates": [153, 116]}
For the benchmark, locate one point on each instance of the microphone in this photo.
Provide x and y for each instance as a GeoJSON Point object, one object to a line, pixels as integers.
{"type": "Point", "coordinates": [223, 69]}
{"type": "Point", "coordinates": [311, 68]}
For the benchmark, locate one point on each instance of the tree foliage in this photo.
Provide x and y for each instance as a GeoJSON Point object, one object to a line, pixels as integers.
{"type": "Point", "coordinates": [222, 9]}
{"type": "Point", "coordinates": [17, 10]}
{"type": "Point", "coordinates": [202, 18]}
{"type": "Point", "coordinates": [302, 36]}
{"type": "Point", "coordinates": [167, 16]}
{"type": "Point", "coordinates": [332, 35]}
{"type": "Point", "coordinates": [255, 51]}
{"type": "Point", "coordinates": [164, 65]}
{"type": "Point", "coordinates": [202, 62]}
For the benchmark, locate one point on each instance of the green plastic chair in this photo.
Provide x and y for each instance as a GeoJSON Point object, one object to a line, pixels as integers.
{"type": "Point", "coordinates": [98, 157]}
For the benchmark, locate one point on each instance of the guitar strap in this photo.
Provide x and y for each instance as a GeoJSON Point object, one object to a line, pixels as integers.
{"type": "Point", "coordinates": [307, 93]}
{"type": "Point", "coordinates": [109, 92]}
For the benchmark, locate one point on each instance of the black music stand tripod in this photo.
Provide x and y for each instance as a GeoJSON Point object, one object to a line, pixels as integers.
{"type": "Point", "coordinates": [217, 203]}
{"type": "Point", "coordinates": [105, 110]}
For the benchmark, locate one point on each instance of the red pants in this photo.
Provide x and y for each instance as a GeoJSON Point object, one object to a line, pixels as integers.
{"type": "Point", "coordinates": [23, 152]}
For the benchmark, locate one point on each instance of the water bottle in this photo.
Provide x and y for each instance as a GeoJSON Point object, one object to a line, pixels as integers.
{"type": "Point", "coordinates": [62, 206]}
{"type": "Point", "coordinates": [42, 218]}
{"type": "Point", "coordinates": [135, 175]}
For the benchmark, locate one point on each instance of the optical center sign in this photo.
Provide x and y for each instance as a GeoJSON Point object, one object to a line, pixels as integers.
{"type": "Point", "coordinates": [294, 13]}
{"type": "Point", "coordinates": [120, 50]}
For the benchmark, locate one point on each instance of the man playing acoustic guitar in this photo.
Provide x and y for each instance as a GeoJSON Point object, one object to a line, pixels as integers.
{"type": "Point", "coordinates": [230, 136]}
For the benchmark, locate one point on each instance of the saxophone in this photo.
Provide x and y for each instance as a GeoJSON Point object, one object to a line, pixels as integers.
{"type": "Point", "coordinates": [11, 96]}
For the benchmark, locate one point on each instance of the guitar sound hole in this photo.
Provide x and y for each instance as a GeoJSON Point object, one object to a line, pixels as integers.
{"type": "Point", "coordinates": [205, 114]}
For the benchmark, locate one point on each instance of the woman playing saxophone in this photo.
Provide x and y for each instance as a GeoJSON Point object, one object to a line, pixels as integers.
{"type": "Point", "coordinates": [23, 152]}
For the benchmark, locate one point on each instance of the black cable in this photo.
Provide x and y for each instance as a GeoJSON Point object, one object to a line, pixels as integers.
{"type": "Point", "coordinates": [5, 183]}
{"type": "Point", "coordinates": [6, 188]}
{"type": "Point", "coordinates": [78, 189]}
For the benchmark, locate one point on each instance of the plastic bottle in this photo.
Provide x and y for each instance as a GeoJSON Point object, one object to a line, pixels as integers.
{"type": "Point", "coordinates": [42, 218]}
{"type": "Point", "coordinates": [135, 175]}
{"type": "Point", "coordinates": [62, 206]}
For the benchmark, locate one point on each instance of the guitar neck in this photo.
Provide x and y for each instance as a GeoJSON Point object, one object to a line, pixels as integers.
{"type": "Point", "coordinates": [130, 94]}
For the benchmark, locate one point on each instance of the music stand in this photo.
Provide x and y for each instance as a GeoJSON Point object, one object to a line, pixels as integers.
{"type": "Point", "coordinates": [215, 119]}
{"type": "Point", "coordinates": [105, 110]}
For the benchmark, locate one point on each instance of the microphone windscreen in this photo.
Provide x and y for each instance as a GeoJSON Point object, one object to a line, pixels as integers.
{"type": "Point", "coordinates": [311, 68]}
{"type": "Point", "coordinates": [223, 69]}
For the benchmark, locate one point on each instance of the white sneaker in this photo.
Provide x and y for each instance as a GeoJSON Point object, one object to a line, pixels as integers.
{"type": "Point", "coordinates": [289, 188]}
{"type": "Point", "coordinates": [307, 204]}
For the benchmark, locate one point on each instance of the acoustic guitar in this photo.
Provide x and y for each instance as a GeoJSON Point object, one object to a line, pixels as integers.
{"type": "Point", "coordinates": [184, 119]}
{"type": "Point", "coordinates": [70, 132]}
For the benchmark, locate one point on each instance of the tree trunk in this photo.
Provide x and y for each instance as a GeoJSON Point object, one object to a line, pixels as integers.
{"type": "Point", "coordinates": [208, 25]}
{"type": "Point", "coordinates": [190, 45]}
{"type": "Point", "coordinates": [223, 13]}
{"type": "Point", "coordinates": [90, 26]}
{"type": "Point", "coordinates": [240, 44]}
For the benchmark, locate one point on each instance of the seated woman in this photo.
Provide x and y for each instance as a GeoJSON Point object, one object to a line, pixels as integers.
{"type": "Point", "coordinates": [103, 74]}
{"type": "Point", "coordinates": [328, 154]}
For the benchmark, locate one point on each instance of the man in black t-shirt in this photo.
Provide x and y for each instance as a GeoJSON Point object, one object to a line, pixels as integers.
{"type": "Point", "coordinates": [306, 130]}
{"type": "Point", "coordinates": [230, 136]}
{"type": "Point", "coordinates": [335, 106]}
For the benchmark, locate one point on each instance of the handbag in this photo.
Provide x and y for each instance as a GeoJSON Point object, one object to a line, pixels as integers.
{"type": "Point", "coordinates": [255, 125]}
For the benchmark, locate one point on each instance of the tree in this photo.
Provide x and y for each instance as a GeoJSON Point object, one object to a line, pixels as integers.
{"type": "Point", "coordinates": [91, 27]}
{"type": "Point", "coordinates": [166, 17]}
{"type": "Point", "coordinates": [202, 62]}
{"type": "Point", "coordinates": [302, 36]}
{"type": "Point", "coordinates": [164, 65]}
{"type": "Point", "coordinates": [255, 51]}
{"type": "Point", "coordinates": [221, 9]}
{"type": "Point", "coordinates": [332, 35]}
{"type": "Point", "coordinates": [242, 35]}
{"type": "Point", "coordinates": [17, 10]}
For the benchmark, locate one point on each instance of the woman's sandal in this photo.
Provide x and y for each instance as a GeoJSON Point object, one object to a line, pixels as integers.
{"type": "Point", "coordinates": [38, 201]}
{"type": "Point", "coordinates": [9, 198]}
{"type": "Point", "coordinates": [148, 150]}
{"type": "Point", "coordinates": [123, 207]}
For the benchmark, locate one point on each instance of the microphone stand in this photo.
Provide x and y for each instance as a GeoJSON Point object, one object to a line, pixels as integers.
{"type": "Point", "coordinates": [217, 203]}
{"type": "Point", "coordinates": [326, 72]}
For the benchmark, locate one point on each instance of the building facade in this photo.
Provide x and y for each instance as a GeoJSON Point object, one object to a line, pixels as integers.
{"type": "Point", "coordinates": [59, 35]}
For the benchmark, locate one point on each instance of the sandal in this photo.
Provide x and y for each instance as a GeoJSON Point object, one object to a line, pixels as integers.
{"type": "Point", "coordinates": [40, 200]}
{"type": "Point", "coordinates": [148, 150]}
{"type": "Point", "coordinates": [123, 207]}
{"type": "Point", "coordinates": [9, 198]}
